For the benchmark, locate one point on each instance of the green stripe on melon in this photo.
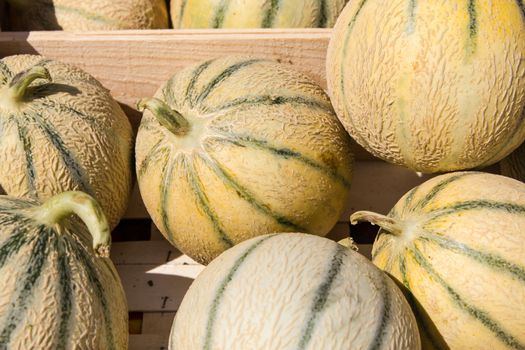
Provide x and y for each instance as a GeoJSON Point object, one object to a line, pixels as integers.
{"type": "Point", "coordinates": [258, 150]}
{"type": "Point", "coordinates": [323, 296]}
{"type": "Point", "coordinates": [456, 243]}
{"type": "Point", "coordinates": [255, 13]}
{"type": "Point", "coordinates": [54, 285]}
{"type": "Point", "coordinates": [433, 86]}
{"type": "Point", "coordinates": [60, 130]}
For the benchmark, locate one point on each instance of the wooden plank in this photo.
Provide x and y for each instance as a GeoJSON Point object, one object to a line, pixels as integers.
{"type": "Point", "coordinates": [365, 249]}
{"type": "Point", "coordinates": [136, 208]}
{"type": "Point", "coordinates": [133, 63]}
{"type": "Point", "coordinates": [144, 253]}
{"type": "Point", "coordinates": [377, 186]}
{"type": "Point", "coordinates": [341, 230]}
{"type": "Point", "coordinates": [148, 289]}
{"type": "Point", "coordinates": [157, 323]}
{"type": "Point", "coordinates": [147, 342]}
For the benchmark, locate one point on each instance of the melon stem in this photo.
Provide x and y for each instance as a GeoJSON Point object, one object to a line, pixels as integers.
{"type": "Point", "coordinates": [20, 82]}
{"type": "Point", "coordinates": [62, 205]}
{"type": "Point", "coordinates": [166, 116]}
{"type": "Point", "coordinates": [386, 223]}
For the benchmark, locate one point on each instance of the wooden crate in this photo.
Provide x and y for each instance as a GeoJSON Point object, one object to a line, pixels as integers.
{"type": "Point", "coordinates": [132, 64]}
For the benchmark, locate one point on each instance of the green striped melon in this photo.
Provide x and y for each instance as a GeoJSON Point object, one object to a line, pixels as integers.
{"type": "Point", "coordinates": [293, 291]}
{"type": "Point", "coordinates": [457, 243]}
{"type": "Point", "coordinates": [514, 164]}
{"type": "Point", "coordinates": [237, 147]}
{"type": "Point", "coordinates": [59, 288]}
{"type": "Point", "coordinates": [435, 86]}
{"type": "Point", "coordinates": [73, 15]}
{"type": "Point", "coordinates": [61, 130]}
{"type": "Point", "coordinates": [255, 13]}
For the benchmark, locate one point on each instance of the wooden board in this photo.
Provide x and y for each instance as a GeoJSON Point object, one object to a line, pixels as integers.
{"type": "Point", "coordinates": [133, 63]}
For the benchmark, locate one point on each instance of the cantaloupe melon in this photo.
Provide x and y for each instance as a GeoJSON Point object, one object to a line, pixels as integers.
{"type": "Point", "coordinates": [72, 15]}
{"type": "Point", "coordinates": [457, 243]}
{"type": "Point", "coordinates": [514, 164]}
{"type": "Point", "coordinates": [293, 291]}
{"type": "Point", "coordinates": [61, 130]}
{"type": "Point", "coordinates": [59, 290]}
{"type": "Point", "coordinates": [237, 147]}
{"type": "Point", "coordinates": [432, 85]}
{"type": "Point", "coordinates": [255, 13]}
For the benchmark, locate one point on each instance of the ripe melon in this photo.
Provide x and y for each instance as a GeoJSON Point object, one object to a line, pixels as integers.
{"type": "Point", "coordinates": [457, 243]}
{"type": "Point", "coordinates": [514, 164]}
{"type": "Point", "coordinates": [255, 13]}
{"type": "Point", "coordinates": [61, 130]}
{"type": "Point", "coordinates": [59, 288]}
{"type": "Point", "coordinates": [72, 15]}
{"type": "Point", "coordinates": [432, 85]}
{"type": "Point", "coordinates": [293, 291]}
{"type": "Point", "coordinates": [237, 147]}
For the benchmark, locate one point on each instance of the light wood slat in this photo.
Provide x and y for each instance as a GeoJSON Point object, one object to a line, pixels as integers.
{"type": "Point", "coordinates": [155, 233]}
{"type": "Point", "coordinates": [133, 63]}
{"type": "Point", "coordinates": [147, 290]}
{"type": "Point", "coordinates": [377, 186]}
{"type": "Point", "coordinates": [158, 323]}
{"type": "Point", "coordinates": [148, 342]}
{"type": "Point", "coordinates": [145, 252]}
{"type": "Point", "coordinates": [365, 249]}
{"type": "Point", "coordinates": [136, 208]}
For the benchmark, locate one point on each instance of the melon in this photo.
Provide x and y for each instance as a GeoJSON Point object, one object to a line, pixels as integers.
{"type": "Point", "coordinates": [59, 288]}
{"type": "Point", "coordinates": [72, 15]}
{"type": "Point", "coordinates": [61, 130]}
{"type": "Point", "coordinates": [514, 164]}
{"type": "Point", "coordinates": [255, 13]}
{"type": "Point", "coordinates": [435, 86]}
{"type": "Point", "coordinates": [293, 291]}
{"type": "Point", "coordinates": [237, 147]}
{"type": "Point", "coordinates": [457, 243]}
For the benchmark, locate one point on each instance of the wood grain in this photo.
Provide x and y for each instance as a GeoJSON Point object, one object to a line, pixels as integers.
{"type": "Point", "coordinates": [148, 342]}
{"type": "Point", "coordinates": [133, 63]}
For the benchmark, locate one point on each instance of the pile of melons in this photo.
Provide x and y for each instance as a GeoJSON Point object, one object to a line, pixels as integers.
{"type": "Point", "coordinates": [243, 164]}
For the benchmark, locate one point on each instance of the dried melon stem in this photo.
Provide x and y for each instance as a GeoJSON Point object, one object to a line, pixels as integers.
{"type": "Point", "coordinates": [167, 117]}
{"type": "Point", "coordinates": [386, 223]}
{"type": "Point", "coordinates": [62, 205]}
{"type": "Point", "coordinates": [20, 82]}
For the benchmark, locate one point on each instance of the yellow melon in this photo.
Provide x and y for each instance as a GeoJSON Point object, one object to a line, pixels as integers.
{"type": "Point", "coordinates": [457, 243]}
{"type": "Point", "coordinates": [255, 13]}
{"type": "Point", "coordinates": [61, 130]}
{"type": "Point", "coordinates": [72, 15]}
{"type": "Point", "coordinates": [237, 147]}
{"type": "Point", "coordinates": [432, 85]}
